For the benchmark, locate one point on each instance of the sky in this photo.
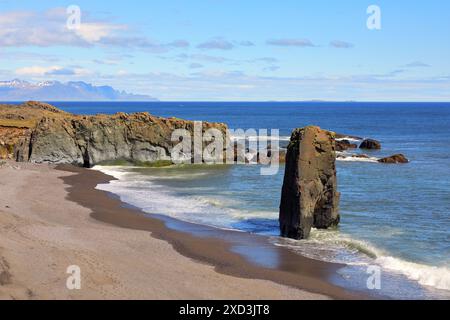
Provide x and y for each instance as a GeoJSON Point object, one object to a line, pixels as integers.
{"type": "Point", "coordinates": [230, 50]}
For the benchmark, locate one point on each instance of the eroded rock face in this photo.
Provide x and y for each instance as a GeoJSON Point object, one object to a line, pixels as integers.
{"type": "Point", "coordinates": [91, 140]}
{"type": "Point", "coordinates": [54, 136]}
{"type": "Point", "coordinates": [10, 136]}
{"type": "Point", "coordinates": [17, 123]}
{"type": "Point", "coordinates": [309, 196]}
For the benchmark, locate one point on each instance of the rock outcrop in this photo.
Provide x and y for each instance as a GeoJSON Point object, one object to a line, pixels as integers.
{"type": "Point", "coordinates": [309, 196]}
{"type": "Point", "coordinates": [370, 144]}
{"type": "Point", "coordinates": [50, 135]}
{"type": "Point", "coordinates": [343, 145]}
{"type": "Point", "coordinates": [15, 126]}
{"type": "Point", "coordinates": [397, 158]}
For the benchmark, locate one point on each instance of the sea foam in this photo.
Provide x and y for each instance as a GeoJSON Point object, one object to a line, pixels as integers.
{"type": "Point", "coordinates": [432, 276]}
{"type": "Point", "coordinates": [333, 246]}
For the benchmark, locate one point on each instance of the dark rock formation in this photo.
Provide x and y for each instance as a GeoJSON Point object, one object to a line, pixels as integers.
{"type": "Point", "coordinates": [309, 196]}
{"type": "Point", "coordinates": [370, 144]}
{"type": "Point", "coordinates": [397, 158]}
{"type": "Point", "coordinates": [45, 134]}
{"type": "Point", "coordinates": [343, 145]}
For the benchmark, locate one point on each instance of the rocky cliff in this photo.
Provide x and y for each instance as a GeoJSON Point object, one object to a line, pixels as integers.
{"type": "Point", "coordinates": [41, 133]}
{"type": "Point", "coordinates": [309, 195]}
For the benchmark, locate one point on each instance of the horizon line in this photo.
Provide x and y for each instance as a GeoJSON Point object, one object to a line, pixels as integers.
{"type": "Point", "coordinates": [228, 101]}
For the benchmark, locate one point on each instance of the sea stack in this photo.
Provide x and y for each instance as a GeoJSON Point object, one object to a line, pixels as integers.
{"type": "Point", "coordinates": [309, 196]}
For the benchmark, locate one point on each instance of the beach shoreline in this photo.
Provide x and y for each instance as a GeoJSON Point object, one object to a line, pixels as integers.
{"type": "Point", "coordinates": [208, 245]}
{"type": "Point", "coordinates": [54, 218]}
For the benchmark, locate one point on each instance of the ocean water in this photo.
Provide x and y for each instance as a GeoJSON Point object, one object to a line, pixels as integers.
{"type": "Point", "coordinates": [393, 216]}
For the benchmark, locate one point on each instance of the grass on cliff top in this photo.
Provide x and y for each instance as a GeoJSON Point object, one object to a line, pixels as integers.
{"type": "Point", "coordinates": [12, 123]}
{"type": "Point", "coordinates": [144, 164]}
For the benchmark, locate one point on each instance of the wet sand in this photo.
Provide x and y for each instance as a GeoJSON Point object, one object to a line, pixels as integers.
{"type": "Point", "coordinates": [231, 253]}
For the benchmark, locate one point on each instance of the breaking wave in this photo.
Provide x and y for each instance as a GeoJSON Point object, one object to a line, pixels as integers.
{"type": "Point", "coordinates": [353, 157]}
{"type": "Point", "coordinates": [431, 276]}
{"type": "Point", "coordinates": [225, 213]}
{"type": "Point", "coordinates": [336, 247]}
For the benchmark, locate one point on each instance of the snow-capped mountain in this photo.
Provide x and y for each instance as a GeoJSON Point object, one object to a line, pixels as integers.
{"type": "Point", "coordinates": [19, 90]}
{"type": "Point", "coordinates": [16, 83]}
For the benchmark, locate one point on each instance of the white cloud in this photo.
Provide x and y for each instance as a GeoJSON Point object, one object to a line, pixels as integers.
{"type": "Point", "coordinates": [237, 85]}
{"type": "Point", "coordinates": [291, 42]}
{"type": "Point", "coordinates": [35, 70]}
{"type": "Point", "coordinates": [122, 73]}
{"type": "Point", "coordinates": [28, 28]}
{"type": "Point", "coordinates": [217, 44]}
{"type": "Point", "coordinates": [94, 32]}
{"type": "Point", "coordinates": [49, 28]}
{"type": "Point", "coordinates": [40, 71]}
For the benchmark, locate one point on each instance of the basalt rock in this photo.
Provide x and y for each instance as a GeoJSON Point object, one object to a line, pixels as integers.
{"type": "Point", "coordinates": [41, 133]}
{"type": "Point", "coordinates": [309, 195]}
{"type": "Point", "coordinates": [343, 145]}
{"type": "Point", "coordinates": [370, 144]}
{"type": "Point", "coordinates": [397, 158]}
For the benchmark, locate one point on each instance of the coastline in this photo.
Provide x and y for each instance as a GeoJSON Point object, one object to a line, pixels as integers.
{"type": "Point", "coordinates": [42, 233]}
{"type": "Point", "coordinates": [212, 246]}
{"type": "Point", "coordinates": [54, 218]}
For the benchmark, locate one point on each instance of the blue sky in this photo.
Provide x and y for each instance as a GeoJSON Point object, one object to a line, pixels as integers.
{"type": "Point", "coordinates": [234, 50]}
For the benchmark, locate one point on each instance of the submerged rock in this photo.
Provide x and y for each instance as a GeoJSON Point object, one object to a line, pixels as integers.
{"type": "Point", "coordinates": [309, 196]}
{"type": "Point", "coordinates": [397, 158]}
{"type": "Point", "coordinates": [370, 144]}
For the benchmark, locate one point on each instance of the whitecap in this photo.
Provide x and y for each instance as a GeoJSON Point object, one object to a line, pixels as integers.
{"type": "Point", "coordinates": [350, 139]}
{"type": "Point", "coordinates": [431, 276]}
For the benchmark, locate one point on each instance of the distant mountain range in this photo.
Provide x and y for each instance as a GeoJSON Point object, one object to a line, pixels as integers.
{"type": "Point", "coordinates": [19, 90]}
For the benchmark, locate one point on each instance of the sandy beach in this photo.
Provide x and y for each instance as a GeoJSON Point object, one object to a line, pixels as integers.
{"type": "Point", "coordinates": [53, 218]}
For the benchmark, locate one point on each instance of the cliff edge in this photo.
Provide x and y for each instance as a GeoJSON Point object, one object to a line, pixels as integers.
{"type": "Point", "coordinates": [40, 133]}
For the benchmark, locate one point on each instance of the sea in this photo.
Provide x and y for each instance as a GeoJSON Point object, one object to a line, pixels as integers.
{"type": "Point", "coordinates": [395, 219]}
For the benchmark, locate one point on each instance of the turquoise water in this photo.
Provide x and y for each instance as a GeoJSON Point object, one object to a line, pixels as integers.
{"type": "Point", "coordinates": [395, 216]}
